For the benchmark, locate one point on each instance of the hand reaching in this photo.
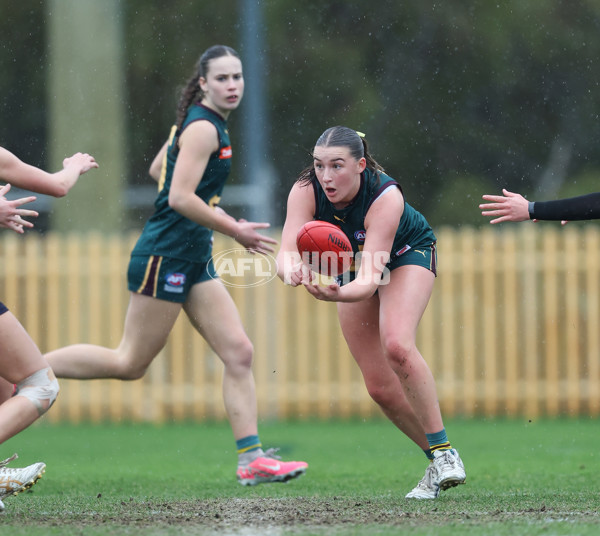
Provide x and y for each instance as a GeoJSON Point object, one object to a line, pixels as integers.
{"type": "Point", "coordinates": [81, 162]}
{"type": "Point", "coordinates": [508, 207]}
{"type": "Point", "coordinates": [11, 216]}
{"type": "Point", "coordinates": [251, 239]}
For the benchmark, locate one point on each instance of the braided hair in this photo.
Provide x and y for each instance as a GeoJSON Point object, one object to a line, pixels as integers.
{"type": "Point", "coordinates": [342, 137]}
{"type": "Point", "coordinates": [191, 91]}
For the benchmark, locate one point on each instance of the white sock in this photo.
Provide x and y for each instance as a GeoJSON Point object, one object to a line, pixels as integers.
{"type": "Point", "coordinates": [248, 457]}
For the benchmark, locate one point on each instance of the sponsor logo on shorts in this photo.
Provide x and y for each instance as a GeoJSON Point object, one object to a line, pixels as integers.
{"type": "Point", "coordinates": [402, 250]}
{"type": "Point", "coordinates": [175, 282]}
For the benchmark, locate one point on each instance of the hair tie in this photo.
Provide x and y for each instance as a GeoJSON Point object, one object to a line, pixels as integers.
{"type": "Point", "coordinates": [360, 134]}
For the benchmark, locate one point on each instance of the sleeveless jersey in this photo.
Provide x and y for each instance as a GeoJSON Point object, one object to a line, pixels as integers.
{"type": "Point", "coordinates": [168, 233]}
{"type": "Point", "coordinates": [413, 230]}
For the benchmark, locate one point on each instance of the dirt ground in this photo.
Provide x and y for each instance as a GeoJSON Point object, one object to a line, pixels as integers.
{"type": "Point", "coordinates": [270, 517]}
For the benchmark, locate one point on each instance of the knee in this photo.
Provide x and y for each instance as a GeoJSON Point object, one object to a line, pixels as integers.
{"type": "Point", "coordinates": [240, 356]}
{"type": "Point", "coordinates": [130, 372]}
{"type": "Point", "coordinates": [127, 364]}
{"type": "Point", "coordinates": [381, 394]}
{"type": "Point", "coordinates": [399, 353]}
{"type": "Point", "coordinates": [245, 353]}
{"type": "Point", "coordinates": [41, 388]}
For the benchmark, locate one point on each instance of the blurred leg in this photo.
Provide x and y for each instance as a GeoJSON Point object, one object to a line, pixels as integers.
{"type": "Point", "coordinates": [213, 313]}
{"type": "Point", "coordinates": [147, 326]}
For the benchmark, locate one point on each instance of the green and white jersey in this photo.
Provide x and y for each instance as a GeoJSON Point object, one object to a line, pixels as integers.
{"type": "Point", "coordinates": [167, 233]}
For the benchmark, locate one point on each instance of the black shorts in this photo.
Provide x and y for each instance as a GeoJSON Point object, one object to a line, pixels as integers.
{"type": "Point", "coordinates": [3, 308]}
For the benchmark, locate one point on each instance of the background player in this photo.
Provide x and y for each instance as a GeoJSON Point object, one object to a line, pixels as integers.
{"type": "Point", "coordinates": [171, 266]}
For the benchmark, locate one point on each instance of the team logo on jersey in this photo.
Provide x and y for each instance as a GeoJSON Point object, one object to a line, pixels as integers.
{"type": "Point", "coordinates": [175, 282]}
{"type": "Point", "coordinates": [225, 153]}
{"type": "Point", "coordinates": [360, 235]}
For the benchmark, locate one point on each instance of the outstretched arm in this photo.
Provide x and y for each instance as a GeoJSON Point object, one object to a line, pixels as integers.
{"type": "Point", "coordinates": [514, 207]}
{"type": "Point", "coordinates": [31, 178]}
{"type": "Point", "coordinates": [582, 207]}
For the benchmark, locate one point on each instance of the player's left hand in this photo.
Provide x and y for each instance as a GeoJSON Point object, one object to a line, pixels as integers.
{"type": "Point", "coordinates": [329, 293]}
{"type": "Point", "coordinates": [249, 237]}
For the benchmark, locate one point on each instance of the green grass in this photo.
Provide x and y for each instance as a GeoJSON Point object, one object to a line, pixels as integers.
{"type": "Point", "coordinates": [523, 478]}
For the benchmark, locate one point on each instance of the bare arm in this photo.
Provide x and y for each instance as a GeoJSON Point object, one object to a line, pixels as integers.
{"type": "Point", "coordinates": [381, 224]}
{"type": "Point", "coordinates": [300, 209]}
{"type": "Point", "coordinates": [197, 142]}
{"type": "Point", "coordinates": [156, 168]}
{"type": "Point", "coordinates": [31, 178]}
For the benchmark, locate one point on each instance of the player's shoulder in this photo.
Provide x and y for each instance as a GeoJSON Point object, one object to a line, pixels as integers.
{"type": "Point", "coordinates": [302, 196]}
{"type": "Point", "coordinates": [302, 189]}
{"type": "Point", "coordinates": [200, 133]}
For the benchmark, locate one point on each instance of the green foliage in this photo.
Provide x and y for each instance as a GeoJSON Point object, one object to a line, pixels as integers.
{"type": "Point", "coordinates": [23, 70]}
{"type": "Point", "coordinates": [585, 182]}
{"type": "Point", "coordinates": [459, 199]}
{"type": "Point", "coordinates": [162, 46]}
{"type": "Point", "coordinates": [442, 89]}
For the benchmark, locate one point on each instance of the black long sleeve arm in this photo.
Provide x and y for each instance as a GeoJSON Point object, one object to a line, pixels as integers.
{"type": "Point", "coordinates": [583, 207]}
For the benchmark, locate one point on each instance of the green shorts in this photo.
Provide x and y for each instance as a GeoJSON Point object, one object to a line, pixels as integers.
{"type": "Point", "coordinates": [425, 256]}
{"type": "Point", "coordinates": [166, 278]}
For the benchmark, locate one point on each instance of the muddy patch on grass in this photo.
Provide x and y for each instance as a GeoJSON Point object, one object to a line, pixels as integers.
{"type": "Point", "coordinates": [271, 517]}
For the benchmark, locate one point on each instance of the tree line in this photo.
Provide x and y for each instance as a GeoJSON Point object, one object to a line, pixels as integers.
{"type": "Point", "coordinates": [456, 98]}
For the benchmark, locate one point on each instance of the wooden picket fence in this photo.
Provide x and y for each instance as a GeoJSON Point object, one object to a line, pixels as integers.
{"type": "Point", "coordinates": [513, 329]}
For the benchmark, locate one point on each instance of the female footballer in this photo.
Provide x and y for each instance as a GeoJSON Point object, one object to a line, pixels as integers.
{"type": "Point", "coordinates": [381, 303]}
{"type": "Point", "coordinates": [171, 266]}
{"type": "Point", "coordinates": [24, 373]}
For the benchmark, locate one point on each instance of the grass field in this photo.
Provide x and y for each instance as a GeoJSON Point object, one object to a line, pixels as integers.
{"type": "Point", "coordinates": [523, 477]}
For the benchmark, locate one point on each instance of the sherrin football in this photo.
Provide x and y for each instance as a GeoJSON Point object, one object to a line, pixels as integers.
{"type": "Point", "coordinates": [324, 248]}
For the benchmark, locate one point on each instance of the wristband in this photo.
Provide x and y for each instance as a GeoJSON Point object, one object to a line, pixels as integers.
{"type": "Point", "coordinates": [531, 209]}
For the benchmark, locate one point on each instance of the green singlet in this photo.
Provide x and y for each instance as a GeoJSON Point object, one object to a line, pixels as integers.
{"type": "Point", "coordinates": [414, 242]}
{"type": "Point", "coordinates": [168, 233]}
